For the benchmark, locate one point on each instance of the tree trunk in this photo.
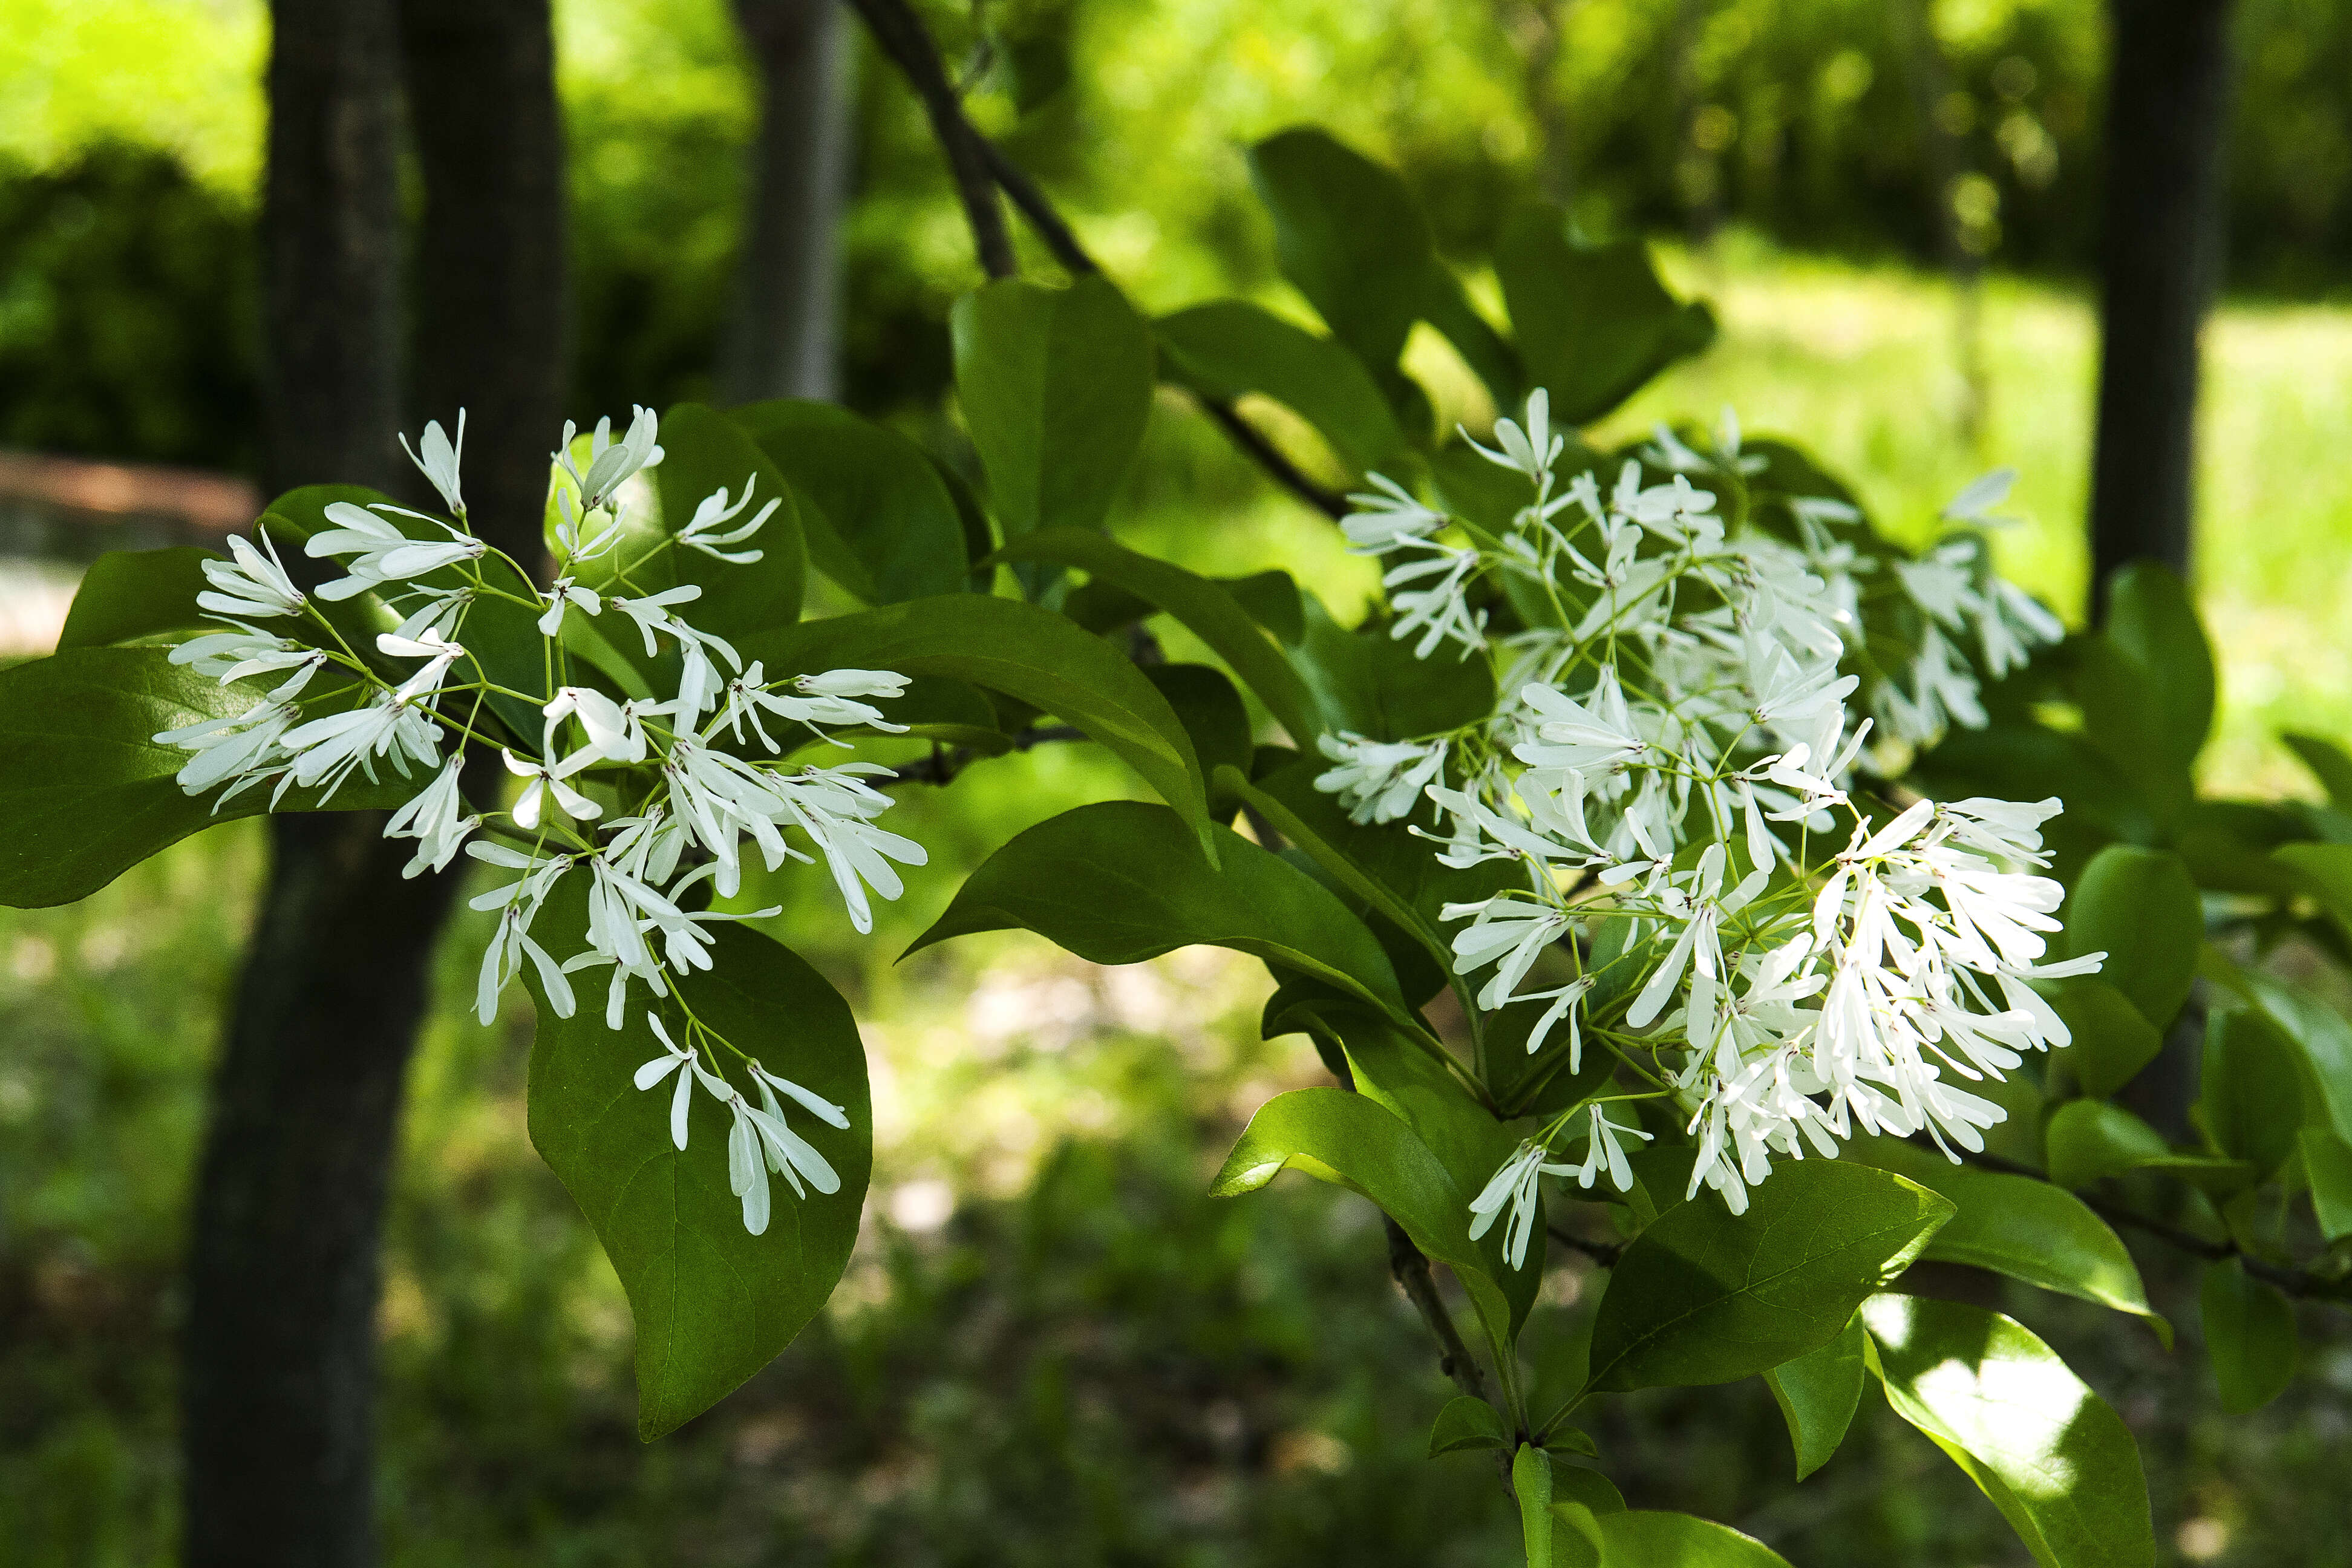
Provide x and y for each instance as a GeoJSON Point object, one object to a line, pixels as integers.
{"type": "Point", "coordinates": [491, 297]}
{"type": "Point", "coordinates": [2168, 99]}
{"type": "Point", "coordinates": [785, 341]}
{"type": "Point", "coordinates": [279, 1370]}
{"type": "Point", "coordinates": [278, 1346]}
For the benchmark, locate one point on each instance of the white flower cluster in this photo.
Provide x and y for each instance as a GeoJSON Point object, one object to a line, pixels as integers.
{"type": "Point", "coordinates": [1672, 757]}
{"type": "Point", "coordinates": [646, 799]}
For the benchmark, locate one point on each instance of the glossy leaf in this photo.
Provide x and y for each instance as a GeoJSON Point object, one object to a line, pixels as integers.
{"type": "Point", "coordinates": [2329, 762]}
{"type": "Point", "coordinates": [1121, 881]}
{"type": "Point", "coordinates": [2151, 620]}
{"type": "Point", "coordinates": [1056, 385]}
{"type": "Point", "coordinates": [2140, 908]}
{"type": "Point", "coordinates": [86, 790]}
{"type": "Point", "coordinates": [1409, 1077]}
{"type": "Point", "coordinates": [1206, 609]}
{"type": "Point", "coordinates": [1351, 1142]}
{"type": "Point", "coordinates": [2028, 1229]}
{"type": "Point", "coordinates": [1370, 682]}
{"type": "Point", "coordinates": [1350, 238]}
{"type": "Point", "coordinates": [1818, 1393]}
{"type": "Point", "coordinates": [2251, 1091]}
{"type": "Point", "coordinates": [1531, 1484]}
{"type": "Point", "coordinates": [2327, 1165]}
{"type": "Point", "coordinates": [1703, 1295]}
{"type": "Point", "coordinates": [2058, 1463]}
{"type": "Point", "coordinates": [1214, 719]}
{"type": "Point", "coordinates": [1594, 323]}
{"type": "Point", "coordinates": [2323, 870]}
{"type": "Point", "coordinates": [1466, 1423]}
{"type": "Point", "coordinates": [128, 594]}
{"type": "Point", "coordinates": [713, 1303]}
{"type": "Point", "coordinates": [2113, 1040]}
{"type": "Point", "coordinates": [1231, 347]}
{"type": "Point", "coordinates": [878, 518]}
{"type": "Point", "coordinates": [2250, 1333]}
{"type": "Point", "coordinates": [2087, 1140]}
{"type": "Point", "coordinates": [1026, 653]}
{"type": "Point", "coordinates": [1648, 1540]}
{"type": "Point", "coordinates": [705, 451]}
{"type": "Point", "coordinates": [2320, 1034]}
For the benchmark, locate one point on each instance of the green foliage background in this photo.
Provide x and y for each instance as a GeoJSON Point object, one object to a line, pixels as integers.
{"type": "Point", "coordinates": [1091, 1361]}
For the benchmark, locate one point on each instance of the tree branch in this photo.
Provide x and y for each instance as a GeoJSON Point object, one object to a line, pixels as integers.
{"type": "Point", "coordinates": [940, 767]}
{"type": "Point", "coordinates": [900, 34]}
{"type": "Point", "coordinates": [1605, 1254]}
{"type": "Point", "coordinates": [1410, 1268]}
{"type": "Point", "coordinates": [981, 168]}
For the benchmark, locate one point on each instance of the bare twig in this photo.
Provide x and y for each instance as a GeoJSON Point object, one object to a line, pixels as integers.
{"type": "Point", "coordinates": [1410, 1269]}
{"type": "Point", "coordinates": [900, 33]}
{"type": "Point", "coordinates": [1603, 1253]}
{"type": "Point", "coordinates": [940, 767]}
{"type": "Point", "coordinates": [981, 168]}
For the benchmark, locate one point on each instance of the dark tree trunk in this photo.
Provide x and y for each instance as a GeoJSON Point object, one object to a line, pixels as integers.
{"type": "Point", "coordinates": [492, 315]}
{"type": "Point", "coordinates": [278, 1342]}
{"type": "Point", "coordinates": [785, 336]}
{"type": "Point", "coordinates": [330, 245]}
{"type": "Point", "coordinates": [2167, 101]}
{"type": "Point", "coordinates": [278, 1374]}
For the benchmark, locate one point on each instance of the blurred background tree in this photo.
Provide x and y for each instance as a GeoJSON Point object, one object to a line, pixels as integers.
{"type": "Point", "coordinates": [1052, 1349]}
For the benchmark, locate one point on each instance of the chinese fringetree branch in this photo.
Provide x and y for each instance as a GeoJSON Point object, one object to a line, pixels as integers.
{"type": "Point", "coordinates": [980, 169]}
{"type": "Point", "coordinates": [900, 34]}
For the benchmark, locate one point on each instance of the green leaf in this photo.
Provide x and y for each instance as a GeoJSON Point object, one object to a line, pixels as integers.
{"type": "Point", "coordinates": [2250, 1098]}
{"type": "Point", "coordinates": [1348, 235]}
{"type": "Point", "coordinates": [2057, 1462]}
{"type": "Point", "coordinates": [1466, 1423]}
{"type": "Point", "coordinates": [1704, 1296]}
{"type": "Point", "coordinates": [2017, 1226]}
{"type": "Point", "coordinates": [2319, 1032]}
{"type": "Point", "coordinates": [878, 518]}
{"type": "Point", "coordinates": [713, 1303]}
{"type": "Point", "coordinates": [1370, 682]}
{"type": "Point", "coordinates": [2328, 1164]}
{"type": "Point", "coordinates": [128, 594]}
{"type": "Point", "coordinates": [1412, 1078]}
{"type": "Point", "coordinates": [86, 790]}
{"type": "Point", "coordinates": [1231, 347]}
{"type": "Point", "coordinates": [1531, 1484]}
{"type": "Point", "coordinates": [1055, 385]}
{"type": "Point", "coordinates": [1818, 1393]}
{"type": "Point", "coordinates": [1208, 610]}
{"type": "Point", "coordinates": [1594, 324]}
{"type": "Point", "coordinates": [1394, 876]}
{"type": "Point", "coordinates": [1646, 1539]}
{"type": "Point", "coordinates": [704, 451]}
{"type": "Point", "coordinates": [2323, 870]}
{"type": "Point", "coordinates": [1350, 238]}
{"type": "Point", "coordinates": [1353, 1143]}
{"type": "Point", "coordinates": [1120, 881]}
{"type": "Point", "coordinates": [2250, 1333]}
{"type": "Point", "coordinates": [2151, 621]}
{"type": "Point", "coordinates": [1026, 653]}
{"type": "Point", "coordinates": [1212, 715]}
{"type": "Point", "coordinates": [2112, 1039]}
{"type": "Point", "coordinates": [2140, 908]}
{"type": "Point", "coordinates": [2329, 762]}
{"type": "Point", "coordinates": [2088, 1140]}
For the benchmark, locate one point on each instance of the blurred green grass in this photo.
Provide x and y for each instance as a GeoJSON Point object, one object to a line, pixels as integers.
{"type": "Point", "coordinates": [1050, 1348]}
